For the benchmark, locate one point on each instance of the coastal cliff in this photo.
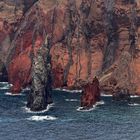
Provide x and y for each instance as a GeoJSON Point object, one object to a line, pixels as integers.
{"type": "Point", "coordinates": [90, 38]}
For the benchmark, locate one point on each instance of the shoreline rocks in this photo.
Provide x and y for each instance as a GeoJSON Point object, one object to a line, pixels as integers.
{"type": "Point", "coordinates": [121, 95]}
{"type": "Point", "coordinates": [90, 94]}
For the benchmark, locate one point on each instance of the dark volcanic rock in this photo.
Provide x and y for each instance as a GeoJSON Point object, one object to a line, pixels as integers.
{"type": "Point", "coordinates": [121, 95]}
{"type": "Point", "coordinates": [91, 94]}
{"type": "Point", "coordinates": [3, 73]}
{"type": "Point", "coordinates": [40, 95]}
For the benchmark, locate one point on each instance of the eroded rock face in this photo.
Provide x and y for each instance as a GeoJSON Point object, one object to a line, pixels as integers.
{"type": "Point", "coordinates": [90, 38]}
{"type": "Point", "coordinates": [91, 94]}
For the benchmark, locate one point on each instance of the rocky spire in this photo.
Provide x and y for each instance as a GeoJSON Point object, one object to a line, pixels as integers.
{"type": "Point", "coordinates": [40, 95]}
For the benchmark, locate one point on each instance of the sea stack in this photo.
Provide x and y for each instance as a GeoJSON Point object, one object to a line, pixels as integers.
{"type": "Point", "coordinates": [40, 95]}
{"type": "Point", "coordinates": [91, 94]}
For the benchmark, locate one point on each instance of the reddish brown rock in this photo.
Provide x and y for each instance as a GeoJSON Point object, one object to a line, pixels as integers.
{"type": "Point", "coordinates": [57, 76]}
{"type": "Point", "coordinates": [90, 38]}
{"type": "Point", "coordinates": [91, 94]}
{"type": "Point", "coordinates": [20, 67]}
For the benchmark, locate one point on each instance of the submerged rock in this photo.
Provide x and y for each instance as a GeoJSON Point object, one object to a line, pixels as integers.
{"type": "Point", "coordinates": [91, 94]}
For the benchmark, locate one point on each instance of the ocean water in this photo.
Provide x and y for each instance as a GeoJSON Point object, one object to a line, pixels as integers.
{"type": "Point", "coordinates": [63, 121]}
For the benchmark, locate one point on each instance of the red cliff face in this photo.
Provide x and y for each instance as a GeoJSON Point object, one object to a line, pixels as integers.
{"type": "Point", "coordinates": [90, 38]}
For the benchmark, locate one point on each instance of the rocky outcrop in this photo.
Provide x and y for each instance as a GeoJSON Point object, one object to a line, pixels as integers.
{"type": "Point", "coordinates": [91, 94]}
{"type": "Point", "coordinates": [90, 38]}
{"type": "Point", "coordinates": [121, 95]}
{"type": "Point", "coordinates": [41, 87]}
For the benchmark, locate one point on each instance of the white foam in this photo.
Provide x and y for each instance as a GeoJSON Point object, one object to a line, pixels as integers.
{"type": "Point", "coordinates": [134, 96]}
{"type": "Point", "coordinates": [26, 89]}
{"type": "Point", "coordinates": [11, 94]}
{"type": "Point", "coordinates": [3, 82]}
{"type": "Point", "coordinates": [82, 109]}
{"type": "Point", "coordinates": [67, 90]}
{"type": "Point", "coordinates": [100, 103]}
{"type": "Point", "coordinates": [109, 95]}
{"type": "Point", "coordinates": [92, 108]}
{"type": "Point", "coordinates": [71, 100]}
{"type": "Point", "coordinates": [106, 95]}
{"type": "Point", "coordinates": [42, 118]}
{"type": "Point", "coordinates": [6, 83]}
{"type": "Point", "coordinates": [5, 87]}
{"type": "Point", "coordinates": [134, 104]}
{"type": "Point", "coordinates": [37, 112]}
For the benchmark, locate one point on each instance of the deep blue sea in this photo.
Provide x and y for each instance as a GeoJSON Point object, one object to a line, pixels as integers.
{"type": "Point", "coordinates": [109, 121]}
